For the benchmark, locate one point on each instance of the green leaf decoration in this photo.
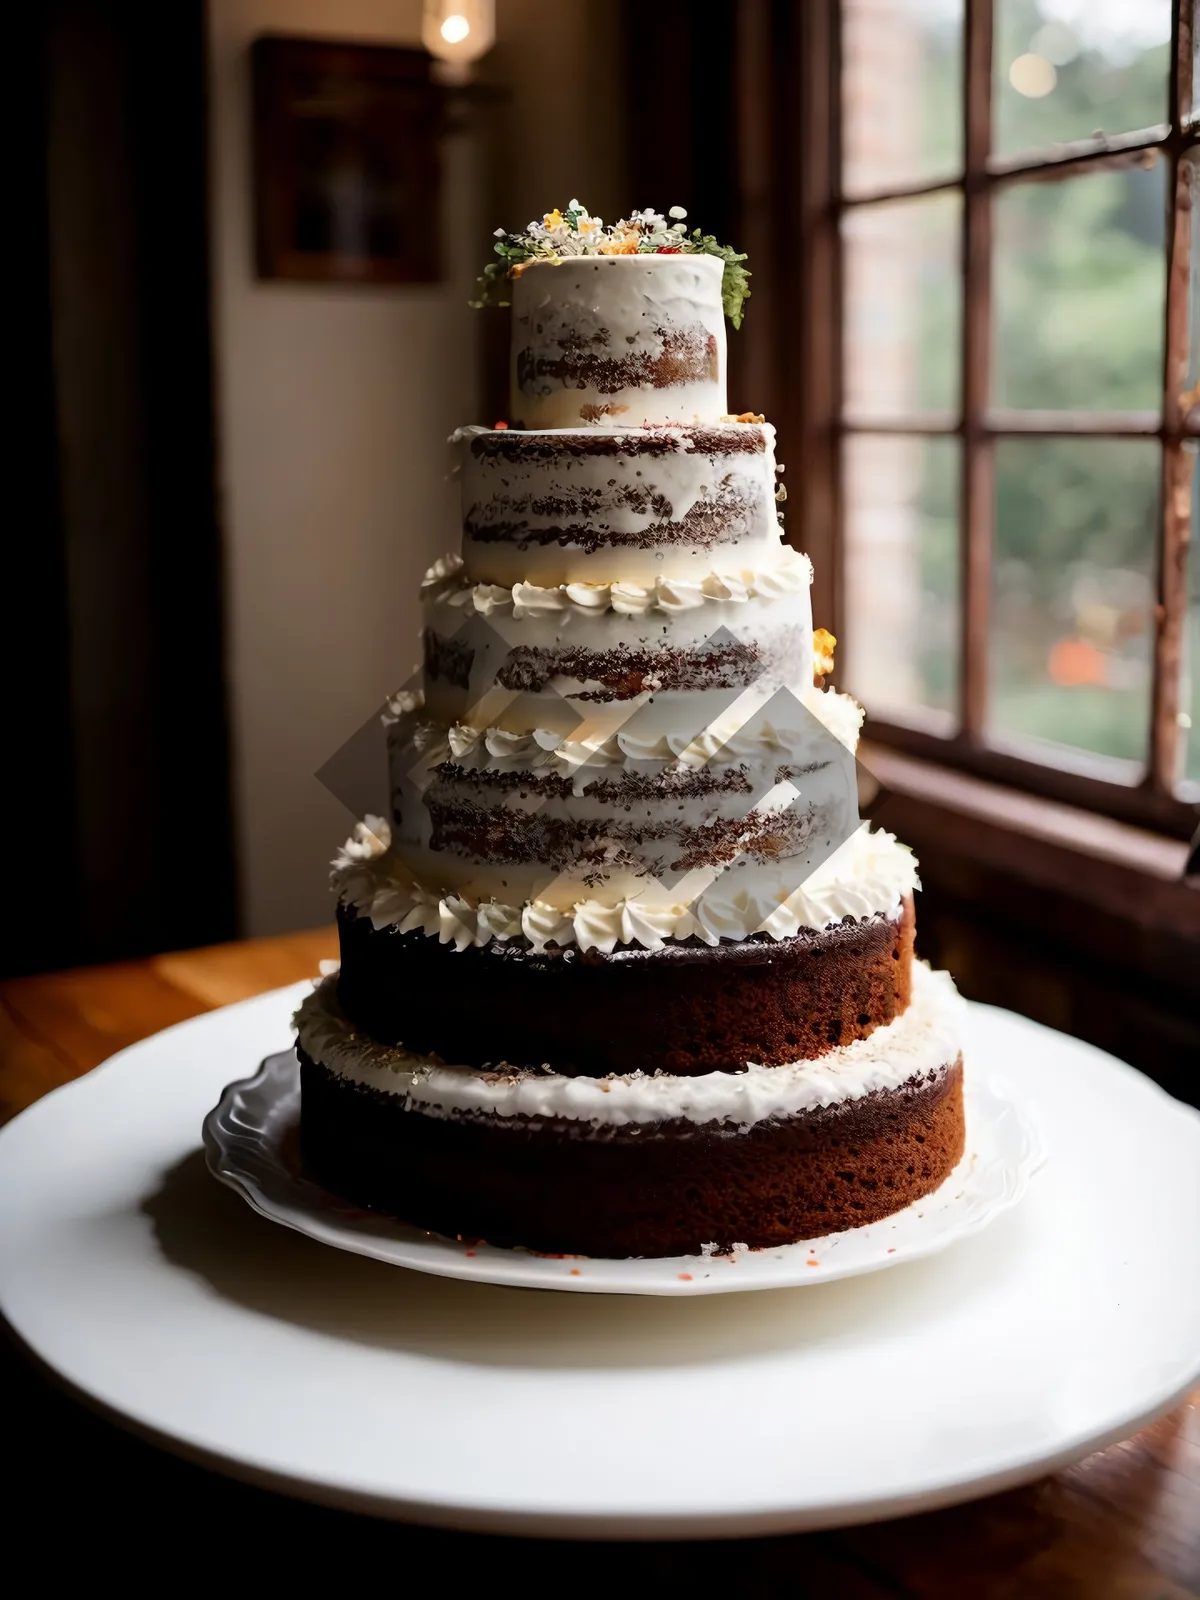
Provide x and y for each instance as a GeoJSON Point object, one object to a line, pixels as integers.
{"type": "Point", "coordinates": [735, 282]}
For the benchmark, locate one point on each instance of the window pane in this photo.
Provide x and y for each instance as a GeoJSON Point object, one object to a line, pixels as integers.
{"type": "Point", "coordinates": [901, 92]}
{"type": "Point", "coordinates": [1073, 594]}
{"type": "Point", "coordinates": [901, 646]}
{"type": "Point", "coordinates": [1066, 69]}
{"type": "Point", "coordinates": [1080, 275]}
{"type": "Point", "coordinates": [902, 307]}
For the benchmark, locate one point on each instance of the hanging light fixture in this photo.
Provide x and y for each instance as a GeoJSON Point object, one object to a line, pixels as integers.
{"type": "Point", "coordinates": [458, 32]}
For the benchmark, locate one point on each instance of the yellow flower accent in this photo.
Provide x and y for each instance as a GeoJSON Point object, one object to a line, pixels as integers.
{"type": "Point", "coordinates": [553, 219]}
{"type": "Point", "coordinates": [823, 645]}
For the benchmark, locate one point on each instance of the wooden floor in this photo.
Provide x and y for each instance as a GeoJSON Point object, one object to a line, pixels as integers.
{"type": "Point", "coordinates": [1122, 1525]}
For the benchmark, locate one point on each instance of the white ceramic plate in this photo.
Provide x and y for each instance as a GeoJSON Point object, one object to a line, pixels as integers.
{"type": "Point", "coordinates": [1069, 1322]}
{"type": "Point", "coordinates": [250, 1141]}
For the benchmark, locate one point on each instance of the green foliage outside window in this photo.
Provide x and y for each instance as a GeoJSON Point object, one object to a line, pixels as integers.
{"type": "Point", "coordinates": [1078, 301]}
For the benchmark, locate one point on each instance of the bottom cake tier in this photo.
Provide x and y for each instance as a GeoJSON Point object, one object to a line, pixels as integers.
{"type": "Point", "coordinates": [641, 1164]}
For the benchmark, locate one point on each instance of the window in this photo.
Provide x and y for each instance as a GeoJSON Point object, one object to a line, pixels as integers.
{"type": "Point", "coordinates": [1014, 402]}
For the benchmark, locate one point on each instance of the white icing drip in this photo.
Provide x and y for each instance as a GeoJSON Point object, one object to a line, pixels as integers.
{"type": "Point", "coordinates": [870, 874]}
{"type": "Point", "coordinates": [444, 583]}
{"type": "Point", "coordinates": [919, 1045]}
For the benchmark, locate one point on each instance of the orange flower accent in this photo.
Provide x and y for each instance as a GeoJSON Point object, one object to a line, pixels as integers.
{"type": "Point", "coordinates": [823, 646]}
{"type": "Point", "coordinates": [625, 245]}
{"type": "Point", "coordinates": [1075, 661]}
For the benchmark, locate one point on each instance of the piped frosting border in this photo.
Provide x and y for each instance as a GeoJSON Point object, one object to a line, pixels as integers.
{"type": "Point", "coordinates": [729, 739]}
{"type": "Point", "coordinates": [837, 713]}
{"type": "Point", "coordinates": [446, 584]}
{"type": "Point", "coordinates": [918, 1046]}
{"type": "Point", "coordinates": [869, 875]}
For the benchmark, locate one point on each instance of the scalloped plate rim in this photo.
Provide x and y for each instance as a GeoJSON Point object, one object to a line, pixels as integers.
{"type": "Point", "coordinates": [238, 1151]}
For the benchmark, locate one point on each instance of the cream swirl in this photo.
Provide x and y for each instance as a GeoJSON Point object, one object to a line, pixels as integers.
{"type": "Point", "coordinates": [790, 574]}
{"type": "Point", "coordinates": [733, 737]}
{"type": "Point", "coordinates": [868, 876]}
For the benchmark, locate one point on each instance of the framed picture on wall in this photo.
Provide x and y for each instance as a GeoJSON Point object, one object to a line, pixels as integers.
{"type": "Point", "coordinates": [347, 174]}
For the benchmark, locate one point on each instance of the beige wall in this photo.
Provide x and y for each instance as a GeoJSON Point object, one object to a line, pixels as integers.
{"type": "Point", "coordinates": [334, 406]}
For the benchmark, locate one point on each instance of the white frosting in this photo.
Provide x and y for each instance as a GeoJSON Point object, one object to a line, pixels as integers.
{"type": "Point", "coordinates": [870, 874]}
{"type": "Point", "coordinates": [656, 493]}
{"type": "Point", "coordinates": [615, 307]}
{"type": "Point", "coordinates": [920, 1045]}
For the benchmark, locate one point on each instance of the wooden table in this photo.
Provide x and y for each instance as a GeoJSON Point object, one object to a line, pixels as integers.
{"type": "Point", "coordinates": [1124, 1523]}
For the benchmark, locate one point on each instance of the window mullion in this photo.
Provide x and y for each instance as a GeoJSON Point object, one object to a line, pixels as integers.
{"type": "Point", "coordinates": [977, 509]}
{"type": "Point", "coordinates": [1184, 41]}
{"type": "Point", "coordinates": [1176, 510]}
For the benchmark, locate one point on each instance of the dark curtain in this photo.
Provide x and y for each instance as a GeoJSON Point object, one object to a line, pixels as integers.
{"type": "Point", "coordinates": [117, 817]}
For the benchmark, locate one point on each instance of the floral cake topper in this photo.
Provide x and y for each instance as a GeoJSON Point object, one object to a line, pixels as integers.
{"type": "Point", "coordinates": [574, 232]}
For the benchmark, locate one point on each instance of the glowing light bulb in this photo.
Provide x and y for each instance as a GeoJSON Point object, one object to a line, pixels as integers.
{"type": "Point", "coordinates": [456, 33]}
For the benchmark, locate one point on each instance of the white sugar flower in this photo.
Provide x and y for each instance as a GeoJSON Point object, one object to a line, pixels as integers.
{"type": "Point", "coordinates": [498, 234]}
{"type": "Point", "coordinates": [650, 220]}
{"type": "Point", "coordinates": [589, 229]}
{"type": "Point", "coordinates": [677, 212]}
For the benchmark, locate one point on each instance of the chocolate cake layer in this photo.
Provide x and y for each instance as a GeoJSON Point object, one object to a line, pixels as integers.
{"type": "Point", "coordinates": [657, 1189]}
{"type": "Point", "coordinates": [622, 673]}
{"type": "Point", "coordinates": [683, 356]}
{"type": "Point", "coordinates": [685, 1009]}
{"type": "Point", "coordinates": [513, 447]}
{"type": "Point", "coordinates": [584, 845]}
{"type": "Point", "coordinates": [581, 521]}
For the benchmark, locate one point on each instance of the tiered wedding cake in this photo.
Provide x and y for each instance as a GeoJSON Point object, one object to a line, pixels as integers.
{"type": "Point", "coordinates": [622, 974]}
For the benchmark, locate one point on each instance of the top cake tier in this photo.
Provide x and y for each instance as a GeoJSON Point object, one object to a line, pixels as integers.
{"type": "Point", "coordinates": [622, 339]}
